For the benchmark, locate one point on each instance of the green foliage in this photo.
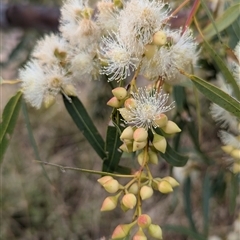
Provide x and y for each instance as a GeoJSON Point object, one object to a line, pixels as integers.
{"type": "Point", "coordinates": [9, 119]}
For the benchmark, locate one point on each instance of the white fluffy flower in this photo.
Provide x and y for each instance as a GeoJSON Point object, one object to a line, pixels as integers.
{"type": "Point", "coordinates": [50, 50]}
{"type": "Point", "coordinates": [40, 83]}
{"type": "Point", "coordinates": [180, 52]}
{"type": "Point", "coordinates": [139, 20]}
{"type": "Point", "coordinates": [147, 108]}
{"type": "Point", "coordinates": [120, 61]}
{"type": "Point", "coordinates": [107, 17]}
{"type": "Point", "coordinates": [229, 139]}
{"type": "Point", "coordinates": [76, 24]}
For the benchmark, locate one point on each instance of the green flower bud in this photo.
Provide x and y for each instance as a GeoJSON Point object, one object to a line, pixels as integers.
{"type": "Point", "coordinates": [150, 50]}
{"type": "Point", "coordinates": [127, 133]}
{"type": "Point", "coordinates": [139, 235]}
{"type": "Point", "coordinates": [111, 186]}
{"type": "Point", "coordinates": [130, 103]}
{"type": "Point", "coordinates": [155, 231]}
{"type": "Point", "coordinates": [140, 135]}
{"type": "Point", "coordinates": [164, 187]}
{"type": "Point", "coordinates": [119, 92]}
{"type": "Point", "coordinates": [122, 230]}
{"type": "Point", "coordinates": [133, 188]}
{"type": "Point", "coordinates": [114, 102]}
{"type": "Point", "coordinates": [138, 145]}
{"type": "Point", "coordinates": [109, 203]}
{"type": "Point", "coordinates": [159, 38]}
{"type": "Point", "coordinates": [172, 181]}
{"type": "Point", "coordinates": [160, 143]}
{"type": "Point", "coordinates": [161, 120]}
{"type": "Point", "coordinates": [153, 157]}
{"type": "Point", "coordinates": [146, 192]}
{"type": "Point", "coordinates": [171, 128]}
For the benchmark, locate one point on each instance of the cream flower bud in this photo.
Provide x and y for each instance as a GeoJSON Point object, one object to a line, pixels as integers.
{"type": "Point", "coordinates": [172, 181]}
{"type": "Point", "coordinates": [114, 102]}
{"type": "Point", "coordinates": [161, 120]}
{"type": "Point", "coordinates": [49, 100]}
{"type": "Point", "coordinates": [144, 221]}
{"type": "Point", "coordinates": [227, 149]}
{"type": "Point", "coordinates": [122, 231]}
{"type": "Point", "coordinates": [126, 147]}
{"type": "Point", "coordinates": [129, 200]}
{"type": "Point", "coordinates": [155, 231]}
{"type": "Point", "coordinates": [111, 186]}
{"type": "Point", "coordinates": [109, 203]}
{"type": "Point", "coordinates": [235, 154]}
{"type": "Point", "coordinates": [141, 157]}
{"type": "Point", "coordinates": [146, 192]}
{"type": "Point", "coordinates": [153, 157]}
{"type": "Point", "coordinates": [127, 133]}
{"type": "Point", "coordinates": [160, 143]}
{"type": "Point", "coordinates": [171, 128]}
{"type": "Point", "coordinates": [119, 92]}
{"type": "Point", "coordinates": [138, 145]}
{"type": "Point", "coordinates": [104, 179]}
{"type": "Point", "coordinates": [140, 135]}
{"type": "Point", "coordinates": [130, 103]}
{"type": "Point", "coordinates": [133, 188]}
{"type": "Point", "coordinates": [139, 235]}
{"type": "Point", "coordinates": [164, 187]}
{"type": "Point", "coordinates": [150, 50]}
{"type": "Point", "coordinates": [159, 38]}
{"type": "Point", "coordinates": [69, 89]}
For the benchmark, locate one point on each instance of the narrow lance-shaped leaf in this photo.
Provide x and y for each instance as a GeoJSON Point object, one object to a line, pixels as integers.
{"type": "Point", "coordinates": [9, 119]}
{"type": "Point", "coordinates": [216, 95]}
{"type": "Point", "coordinates": [222, 22]}
{"type": "Point", "coordinates": [81, 118]}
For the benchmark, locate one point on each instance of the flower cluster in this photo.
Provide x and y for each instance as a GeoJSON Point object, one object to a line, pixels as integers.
{"type": "Point", "coordinates": [115, 40]}
{"type": "Point", "coordinates": [230, 136]}
{"type": "Point", "coordinates": [138, 189]}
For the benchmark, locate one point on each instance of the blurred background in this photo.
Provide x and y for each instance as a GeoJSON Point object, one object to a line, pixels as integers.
{"type": "Point", "coordinates": [44, 203]}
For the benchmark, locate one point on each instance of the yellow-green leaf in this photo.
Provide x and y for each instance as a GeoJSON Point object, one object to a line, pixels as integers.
{"type": "Point", "coordinates": [222, 22]}
{"type": "Point", "coordinates": [9, 119]}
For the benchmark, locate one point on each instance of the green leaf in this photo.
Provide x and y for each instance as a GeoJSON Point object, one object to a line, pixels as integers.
{"type": "Point", "coordinates": [222, 22]}
{"type": "Point", "coordinates": [179, 95]}
{"type": "Point", "coordinates": [184, 231]}
{"type": "Point", "coordinates": [234, 191]}
{"type": "Point", "coordinates": [9, 119]}
{"type": "Point", "coordinates": [228, 77]}
{"type": "Point", "coordinates": [206, 199]}
{"type": "Point", "coordinates": [81, 118]}
{"type": "Point", "coordinates": [217, 96]}
{"type": "Point", "coordinates": [113, 142]}
{"type": "Point", "coordinates": [187, 189]}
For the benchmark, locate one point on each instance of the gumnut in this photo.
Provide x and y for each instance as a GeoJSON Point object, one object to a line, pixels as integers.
{"type": "Point", "coordinates": [153, 157]}
{"type": "Point", "coordinates": [160, 143]}
{"type": "Point", "coordinates": [159, 38]}
{"type": "Point", "coordinates": [109, 203]}
{"type": "Point", "coordinates": [114, 102]}
{"type": "Point", "coordinates": [122, 230]}
{"type": "Point", "coordinates": [161, 120]}
{"type": "Point", "coordinates": [144, 221]}
{"type": "Point", "coordinates": [172, 181]}
{"type": "Point", "coordinates": [141, 157]}
{"type": "Point", "coordinates": [150, 50]}
{"type": "Point", "coordinates": [227, 149]}
{"type": "Point", "coordinates": [119, 92]}
{"type": "Point", "coordinates": [164, 187]}
{"type": "Point", "coordinates": [129, 200]}
{"type": "Point", "coordinates": [235, 154]}
{"type": "Point", "coordinates": [133, 188]}
{"type": "Point", "coordinates": [49, 100]}
{"type": "Point", "coordinates": [146, 192]}
{"type": "Point", "coordinates": [130, 103]}
{"type": "Point", "coordinates": [155, 231]}
{"type": "Point", "coordinates": [125, 114]}
{"type": "Point", "coordinates": [104, 179]}
{"type": "Point", "coordinates": [126, 147]}
{"type": "Point", "coordinates": [111, 186]}
{"type": "Point", "coordinates": [139, 235]}
{"type": "Point", "coordinates": [69, 89]}
{"type": "Point", "coordinates": [138, 145]}
{"type": "Point", "coordinates": [127, 133]}
{"type": "Point", "coordinates": [140, 135]}
{"type": "Point", "coordinates": [171, 128]}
